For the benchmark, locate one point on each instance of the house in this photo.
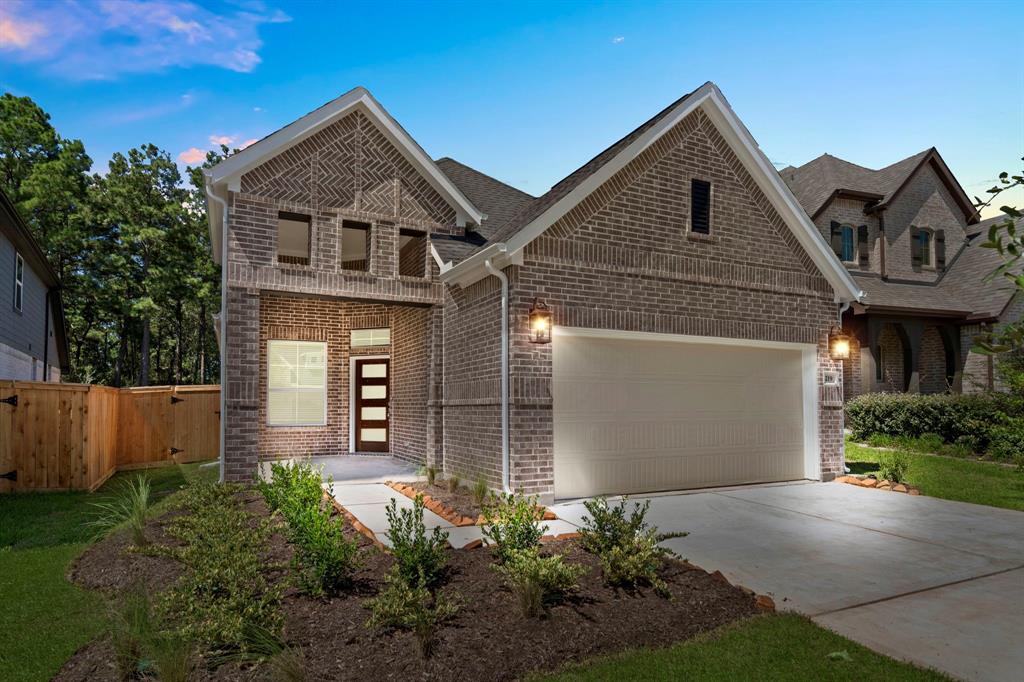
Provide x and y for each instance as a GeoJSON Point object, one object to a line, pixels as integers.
{"type": "Point", "coordinates": [33, 345]}
{"type": "Point", "coordinates": [658, 320]}
{"type": "Point", "coordinates": [911, 238]}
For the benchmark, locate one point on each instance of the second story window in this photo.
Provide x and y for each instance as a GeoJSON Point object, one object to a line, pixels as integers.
{"type": "Point", "coordinates": [355, 246]}
{"type": "Point", "coordinates": [700, 206]}
{"type": "Point", "coordinates": [847, 248]}
{"type": "Point", "coordinates": [293, 238]}
{"type": "Point", "coordinates": [923, 247]}
{"type": "Point", "coordinates": [19, 281]}
{"type": "Point", "coordinates": [412, 253]}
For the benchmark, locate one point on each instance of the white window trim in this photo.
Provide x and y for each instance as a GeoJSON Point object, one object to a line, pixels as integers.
{"type": "Point", "coordinates": [371, 330]}
{"type": "Point", "coordinates": [323, 389]}
{"type": "Point", "coordinates": [352, 395]}
{"type": "Point", "coordinates": [853, 238]}
{"type": "Point", "coordinates": [19, 283]}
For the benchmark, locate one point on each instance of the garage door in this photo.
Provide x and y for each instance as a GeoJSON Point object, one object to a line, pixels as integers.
{"type": "Point", "coordinates": [644, 415]}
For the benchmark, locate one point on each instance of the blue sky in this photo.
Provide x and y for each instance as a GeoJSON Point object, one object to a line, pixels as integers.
{"type": "Point", "coordinates": [529, 91]}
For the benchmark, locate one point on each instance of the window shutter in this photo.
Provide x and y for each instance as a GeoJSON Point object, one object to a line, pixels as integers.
{"type": "Point", "coordinates": [915, 246]}
{"type": "Point", "coordinates": [837, 240]}
{"type": "Point", "coordinates": [862, 244]}
{"type": "Point", "coordinates": [940, 249]}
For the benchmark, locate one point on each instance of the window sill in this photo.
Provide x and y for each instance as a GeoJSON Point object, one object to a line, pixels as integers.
{"type": "Point", "coordinates": [701, 237]}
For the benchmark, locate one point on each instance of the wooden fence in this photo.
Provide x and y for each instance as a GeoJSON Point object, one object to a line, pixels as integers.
{"type": "Point", "coordinates": [74, 436]}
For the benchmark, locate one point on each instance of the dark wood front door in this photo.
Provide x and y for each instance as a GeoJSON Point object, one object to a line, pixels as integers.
{"type": "Point", "coordinates": [373, 393]}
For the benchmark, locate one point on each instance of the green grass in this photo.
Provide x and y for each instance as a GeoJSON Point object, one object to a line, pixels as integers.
{"type": "Point", "coordinates": [44, 619]}
{"type": "Point", "coordinates": [770, 647]}
{"type": "Point", "coordinates": [964, 480]}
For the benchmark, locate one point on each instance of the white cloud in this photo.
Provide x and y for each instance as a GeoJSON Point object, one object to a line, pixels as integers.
{"type": "Point", "coordinates": [218, 140]}
{"type": "Point", "coordinates": [257, 109]}
{"type": "Point", "coordinates": [248, 143]}
{"type": "Point", "coordinates": [105, 39]}
{"type": "Point", "coordinates": [618, 39]}
{"type": "Point", "coordinates": [192, 156]}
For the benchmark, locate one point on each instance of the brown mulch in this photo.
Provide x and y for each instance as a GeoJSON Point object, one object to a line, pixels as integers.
{"type": "Point", "coordinates": [461, 500]}
{"type": "Point", "coordinates": [488, 639]}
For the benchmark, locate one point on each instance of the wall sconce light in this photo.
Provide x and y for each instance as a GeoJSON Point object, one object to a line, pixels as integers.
{"type": "Point", "coordinates": [540, 322]}
{"type": "Point", "coordinates": [838, 344]}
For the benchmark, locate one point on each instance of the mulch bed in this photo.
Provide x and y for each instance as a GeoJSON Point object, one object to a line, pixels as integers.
{"type": "Point", "coordinates": [488, 639]}
{"type": "Point", "coordinates": [461, 501]}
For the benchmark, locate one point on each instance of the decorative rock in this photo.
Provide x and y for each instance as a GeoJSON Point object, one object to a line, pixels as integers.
{"type": "Point", "coordinates": [717, 575]}
{"type": "Point", "coordinates": [869, 482]}
{"type": "Point", "coordinates": [764, 602]}
{"type": "Point", "coordinates": [913, 491]}
{"type": "Point", "coordinates": [883, 486]}
{"type": "Point", "coordinates": [567, 536]}
{"type": "Point", "coordinates": [474, 544]}
{"type": "Point", "coordinates": [884, 482]}
{"type": "Point", "coordinates": [899, 488]}
{"type": "Point", "coordinates": [549, 515]}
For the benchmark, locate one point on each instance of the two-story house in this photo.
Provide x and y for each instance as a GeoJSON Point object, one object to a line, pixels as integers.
{"type": "Point", "coordinates": [33, 345]}
{"type": "Point", "coordinates": [910, 237]}
{"type": "Point", "coordinates": [658, 320]}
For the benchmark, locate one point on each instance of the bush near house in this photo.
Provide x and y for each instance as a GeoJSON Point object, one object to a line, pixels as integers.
{"type": "Point", "coordinates": [966, 421]}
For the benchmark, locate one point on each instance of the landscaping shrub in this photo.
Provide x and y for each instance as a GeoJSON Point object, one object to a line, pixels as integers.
{"type": "Point", "coordinates": [419, 557]}
{"type": "Point", "coordinates": [929, 442]}
{"type": "Point", "coordinates": [131, 629]}
{"type": "Point", "coordinates": [1007, 441]}
{"type": "Point", "coordinates": [948, 416]}
{"type": "Point", "coordinates": [293, 486]}
{"type": "Point", "coordinates": [538, 580]}
{"type": "Point", "coordinates": [480, 491]}
{"type": "Point", "coordinates": [512, 523]}
{"type": "Point", "coordinates": [173, 657]}
{"type": "Point", "coordinates": [223, 590]}
{"type": "Point", "coordinates": [405, 605]}
{"type": "Point", "coordinates": [130, 508]}
{"type": "Point", "coordinates": [894, 466]}
{"type": "Point", "coordinates": [626, 546]}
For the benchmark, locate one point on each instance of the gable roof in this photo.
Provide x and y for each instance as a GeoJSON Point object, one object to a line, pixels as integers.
{"type": "Point", "coordinates": [500, 201]}
{"type": "Point", "coordinates": [226, 175]}
{"type": "Point", "coordinates": [507, 243]}
{"type": "Point", "coordinates": [820, 180]}
{"type": "Point", "coordinates": [12, 224]}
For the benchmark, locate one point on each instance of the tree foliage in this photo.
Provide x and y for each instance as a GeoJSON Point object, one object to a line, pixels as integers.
{"type": "Point", "coordinates": [130, 245]}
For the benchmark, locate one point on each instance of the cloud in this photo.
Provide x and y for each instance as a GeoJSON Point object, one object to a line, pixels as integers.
{"type": "Point", "coordinates": [257, 109]}
{"type": "Point", "coordinates": [109, 38]}
{"type": "Point", "coordinates": [142, 112]}
{"type": "Point", "coordinates": [218, 140]}
{"type": "Point", "coordinates": [618, 39]}
{"type": "Point", "coordinates": [248, 143]}
{"type": "Point", "coordinates": [192, 156]}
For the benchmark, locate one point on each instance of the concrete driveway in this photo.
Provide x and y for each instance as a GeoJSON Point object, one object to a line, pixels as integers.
{"type": "Point", "coordinates": [935, 582]}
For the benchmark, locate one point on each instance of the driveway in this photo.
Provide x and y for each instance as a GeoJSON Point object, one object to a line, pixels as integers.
{"type": "Point", "coordinates": [935, 582]}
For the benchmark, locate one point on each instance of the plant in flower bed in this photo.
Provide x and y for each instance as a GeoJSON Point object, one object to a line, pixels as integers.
{"type": "Point", "coordinates": [628, 547]}
{"type": "Point", "coordinates": [224, 590]}
{"type": "Point", "coordinates": [512, 523]}
{"type": "Point", "coordinates": [407, 602]}
{"type": "Point", "coordinates": [539, 580]}
{"type": "Point", "coordinates": [130, 508]}
{"type": "Point", "coordinates": [894, 466]}
{"type": "Point", "coordinates": [324, 559]}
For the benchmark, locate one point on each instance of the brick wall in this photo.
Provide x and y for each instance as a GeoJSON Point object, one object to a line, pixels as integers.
{"type": "Point", "coordinates": [932, 363]}
{"type": "Point", "coordinates": [410, 382]}
{"type": "Point", "coordinates": [892, 361]}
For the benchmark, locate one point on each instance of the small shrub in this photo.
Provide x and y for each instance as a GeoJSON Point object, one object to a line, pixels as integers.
{"type": "Point", "coordinates": [453, 483]}
{"type": "Point", "coordinates": [418, 556]}
{"type": "Point", "coordinates": [969, 443]}
{"type": "Point", "coordinates": [284, 662]}
{"type": "Point", "coordinates": [480, 491]}
{"type": "Point", "coordinates": [1007, 442]}
{"type": "Point", "coordinates": [929, 442]}
{"type": "Point", "coordinates": [402, 605]}
{"type": "Point", "coordinates": [173, 657]}
{"type": "Point", "coordinates": [894, 466]}
{"type": "Point", "coordinates": [292, 486]}
{"type": "Point", "coordinates": [130, 507]}
{"type": "Point", "coordinates": [431, 473]}
{"type": "Point", "coordinates": [512, 524]}
{"type": "Point", "coordinates": [881, 440]}
{"type": "Point", "coordinates": [538, 580]}
{"type": "Point", "coordinates": [628, 547]}
{"type": "Point", "coordinates": [324, 559]}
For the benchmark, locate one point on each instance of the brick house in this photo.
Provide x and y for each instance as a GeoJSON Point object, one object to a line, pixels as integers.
{"type": "Point", "coordinates": [910, 237]}
{"type": "Point", "coordinates": [380, 301]}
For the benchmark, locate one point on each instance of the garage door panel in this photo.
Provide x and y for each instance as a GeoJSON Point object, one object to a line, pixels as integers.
{"type": "Point", "coordinates": [640, 415]}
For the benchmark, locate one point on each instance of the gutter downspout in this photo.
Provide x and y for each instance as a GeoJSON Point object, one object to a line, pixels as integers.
{"type": "Point", "coordinates": [505, 469]}
{"type": "Point", "coordinates": [843, 307]}
{"type": "Point", "coordinates": [223, 317]}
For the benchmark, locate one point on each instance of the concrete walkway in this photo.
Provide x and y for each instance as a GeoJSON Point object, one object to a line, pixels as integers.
{"type": "Point", "coordinates": [931, 581]}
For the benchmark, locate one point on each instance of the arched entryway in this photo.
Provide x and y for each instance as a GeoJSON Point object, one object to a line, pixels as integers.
{"type": "Point", "coordinates": [912, 356]}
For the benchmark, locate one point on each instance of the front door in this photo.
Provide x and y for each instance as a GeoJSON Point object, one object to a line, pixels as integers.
{"type": "Point", "coordinates": [372, 397]}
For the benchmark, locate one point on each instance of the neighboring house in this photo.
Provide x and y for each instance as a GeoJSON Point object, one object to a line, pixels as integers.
{"type": "Point", "coordinates": [910, 236]}
{"type": "Point", "coordinates": [33, 345]}
{"type": "Point", "coordinates": [367, 286]}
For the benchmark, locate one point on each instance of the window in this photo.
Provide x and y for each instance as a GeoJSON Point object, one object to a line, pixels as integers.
{"type": "Point", "coordinates": [371, 337]}
{"type": "Point", "coordinates": [19, 281]}
{"type": "Point", "coordinates": [293, 230]}
{"type": "Point", "coordinates": [848, 253]}
{"type": "Point", "coordinates": [355, 245]}
{"type": "Point", "coordinates": [922, 251]}
{"type": "Point", "coordinates": [879, 365]}
{"type": "Point", "coordinates": [412, 253]}
{"type": "Point", "coordinates": [296, 383]}
{"type": "Point", "coordinates": [700, 206]}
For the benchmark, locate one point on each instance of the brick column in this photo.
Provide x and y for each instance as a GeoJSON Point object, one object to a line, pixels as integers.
{"type": "Point", "coordinates": [242, 372]}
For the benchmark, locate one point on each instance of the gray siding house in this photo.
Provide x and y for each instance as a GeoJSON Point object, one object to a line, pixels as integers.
{"type": "Point", "coordinates": [33, 344]}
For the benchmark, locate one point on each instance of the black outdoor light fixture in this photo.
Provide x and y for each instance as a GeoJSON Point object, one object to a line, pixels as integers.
{"type": "Point", "coordinates": [540, 322]}
{"type": "Point", "coordinates": [838, 344]}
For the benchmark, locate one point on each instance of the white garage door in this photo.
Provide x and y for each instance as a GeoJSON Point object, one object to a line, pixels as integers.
{"type": "Point", "coordinates": [643, 415]}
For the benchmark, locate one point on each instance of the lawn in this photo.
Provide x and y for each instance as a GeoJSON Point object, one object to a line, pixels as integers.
{"type": "Point", "coordinates": [44, 618]}
{"type": "Point", "coordinates": [964, 480]}
{"type": "Point", "coordinates": [771, 647]}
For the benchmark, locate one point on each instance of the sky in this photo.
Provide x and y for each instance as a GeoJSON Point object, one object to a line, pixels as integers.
{"type": "Point", "coordinates": [529, 91]}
